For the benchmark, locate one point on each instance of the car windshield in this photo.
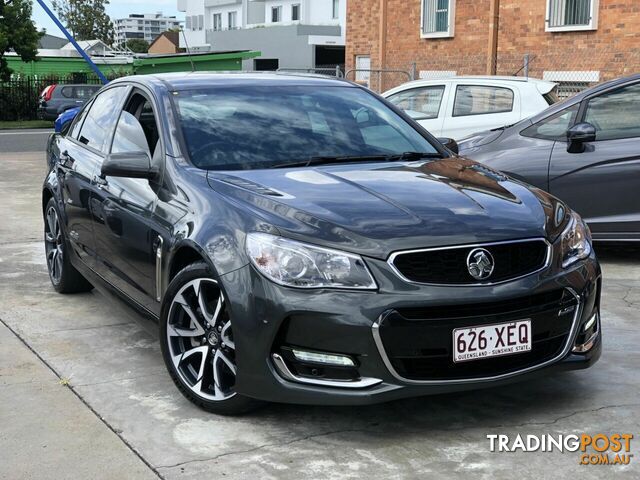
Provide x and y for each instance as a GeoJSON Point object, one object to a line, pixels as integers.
{"type": "Point", "coordinates": [252, 127]}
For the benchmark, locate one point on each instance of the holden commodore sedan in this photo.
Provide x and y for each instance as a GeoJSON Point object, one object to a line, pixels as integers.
{"type": "Point", "coordinates": [301, 240]}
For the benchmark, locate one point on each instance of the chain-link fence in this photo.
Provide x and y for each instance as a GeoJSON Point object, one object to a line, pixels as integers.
{"type": "Point", "coordinates": [572, 72]}
{"type": "Point", "coordinates": [329, 70]}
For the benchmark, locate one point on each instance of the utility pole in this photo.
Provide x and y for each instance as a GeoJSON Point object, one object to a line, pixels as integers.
{"type": "Point", "coordinates": [494, 25]}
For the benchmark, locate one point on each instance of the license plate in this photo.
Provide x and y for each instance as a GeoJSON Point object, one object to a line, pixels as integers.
{"type": "Point", "coordinates": [475, 343]}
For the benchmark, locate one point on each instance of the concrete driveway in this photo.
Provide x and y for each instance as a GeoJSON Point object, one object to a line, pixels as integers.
{"type": "Point", "coordinates": [84, 393]}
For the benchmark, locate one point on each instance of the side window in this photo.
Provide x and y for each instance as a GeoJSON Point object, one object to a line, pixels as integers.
{"type": "Point", "coordinates": [67, 92]}
{"type": "Point", "coordinates": [615, 114]}
{"type": "Point", "coordinates": [479, 100]}
{"type": "Point", "coordinates": [129, 136]}
{"type": "Point", "coordinates": [554, 127]}
{"type": "Point", "coordinates": [137, 130]}
{"type": "Point", "coordinates": [83, 92]}
{"type": "Point", "coordinates": [420, 103]}
{"type": "Point", "coordinates": [74, 130]}
{"type": "Point", "coordinates": [101, 118]}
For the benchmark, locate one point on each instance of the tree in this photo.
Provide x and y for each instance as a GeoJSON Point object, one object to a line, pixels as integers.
{"type": "Point", "coordinates": [17, 33]}
{"type": "Point", "coordinates": [138, 45]}
{"type": "Point", "coordinates": [86, 19]}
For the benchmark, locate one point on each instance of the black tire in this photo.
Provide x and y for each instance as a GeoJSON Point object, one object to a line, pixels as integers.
{"type": "Point", "coordinates": [63, 275]}
{"type": "Point", "coordinates": [173, 320]}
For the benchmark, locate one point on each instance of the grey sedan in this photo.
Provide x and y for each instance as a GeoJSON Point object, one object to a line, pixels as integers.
{"type": "Point", "coordinates": [585, 150]}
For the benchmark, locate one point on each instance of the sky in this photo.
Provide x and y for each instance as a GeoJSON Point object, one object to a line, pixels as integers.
{"type": "Point", "coordinates": [116, 9]}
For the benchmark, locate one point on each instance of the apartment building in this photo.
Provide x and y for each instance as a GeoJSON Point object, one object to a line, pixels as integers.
{"type": "Point", "coordinates": [143, 26]}
{"type": "Point", "coordinates": [301, 34]}
{"type": "Point", "coordinates": [567, 41]}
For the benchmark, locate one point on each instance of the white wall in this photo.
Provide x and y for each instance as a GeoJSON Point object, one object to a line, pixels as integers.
{"type": "Point", "coordinates": [312, 12]}
{"type": "Point", "coordinates": [321, 12]}
{"type": "Point", "coordinates": [323, 9]}
{"type": "Point", "coordinates": [195, 38]}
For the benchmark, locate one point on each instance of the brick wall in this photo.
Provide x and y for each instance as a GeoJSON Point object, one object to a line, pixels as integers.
{"type": "Point", "coordinates": [613, 49]}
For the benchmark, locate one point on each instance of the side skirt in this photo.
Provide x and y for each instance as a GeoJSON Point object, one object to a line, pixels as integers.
{"type": "Point", "coordinates": [110, 291]}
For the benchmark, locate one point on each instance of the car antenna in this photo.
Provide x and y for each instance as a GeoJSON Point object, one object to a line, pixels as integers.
{"type": "Point", "coordinates": [193, 67]}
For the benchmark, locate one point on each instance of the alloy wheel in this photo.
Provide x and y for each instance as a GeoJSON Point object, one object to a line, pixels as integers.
{"type": "Point", "coordinates": [200, 340]}
{"type": "Point", "coordinates": [54, 244]}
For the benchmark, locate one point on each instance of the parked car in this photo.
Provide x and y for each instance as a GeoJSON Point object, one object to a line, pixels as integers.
{"type": "Point", "coordinates": [56, 99]}
{"type": "Point", "coordinates": [297, 238]}
{"type": "Point", "coordinates": [64, 120]}
{"type": "Point", "coordinates": [583, 150]}
{"type": "Point", "coordinates": [459, 106]}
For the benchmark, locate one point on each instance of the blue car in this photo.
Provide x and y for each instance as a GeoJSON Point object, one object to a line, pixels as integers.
{"type": "Point", "coordinates": [65, 118]}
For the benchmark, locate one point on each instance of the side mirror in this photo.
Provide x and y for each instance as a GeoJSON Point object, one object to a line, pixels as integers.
{"type": "Point", "coordinates": [578, 135]}
{"type": "Point", "coordinates": [128, 164]}
{"type": "Point", "coordinates": [450, 143]}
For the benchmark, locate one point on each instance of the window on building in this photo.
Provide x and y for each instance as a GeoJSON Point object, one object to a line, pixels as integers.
{"type": "Point", "coordinates": [276, 14]}
{"type": "Point", "coordinates": [615, 114]}
{"type": "Point", "coordinates": [200, 22]}
{"type": "Point", "coordinates": [438, 17]}
{"type": "Point", "coordinates": [295, 12]}
{"type": "Point", "coordinates": [420, 103]}
{"type": "Point", "coordinates": [335, 10]}
{"type": "Point", "coordinates": [363, 69]}
{"type": "Point", "coordinates": [188, 23]}
{"type": "Point", "coordinates": [233, 20]}
{"type": "Point", "coordinates": [481, 100]}
{"type": "Point", "coordinates": [571, 15]}
{"type": "Point", "coordinates": [217, 22]}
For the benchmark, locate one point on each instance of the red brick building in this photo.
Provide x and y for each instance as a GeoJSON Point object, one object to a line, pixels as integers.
{"type": "Point", "coordinates": [582, 41]}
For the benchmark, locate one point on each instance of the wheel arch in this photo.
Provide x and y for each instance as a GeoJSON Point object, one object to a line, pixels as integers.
{"type": "Point", "coordinates": [47, 194]}
{"type": "Point", "coordinates": [183, 255]}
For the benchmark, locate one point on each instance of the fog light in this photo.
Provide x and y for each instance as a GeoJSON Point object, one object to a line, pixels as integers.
{"type": "Point", "coordinates": [591, 340]}
{"type": "Point", "coordinates": [325, 358]}
{"type": "Point", "coordinates": [591, 322]}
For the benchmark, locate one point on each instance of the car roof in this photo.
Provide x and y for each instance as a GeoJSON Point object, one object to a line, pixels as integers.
{"type": "Point", "coordinates": [543, 86]}
{"type": "Point", "coordinates": [194, 80]}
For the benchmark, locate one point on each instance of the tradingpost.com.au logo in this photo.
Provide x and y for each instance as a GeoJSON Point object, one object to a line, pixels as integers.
{"type": "Point", "coordinates": [599, 449]}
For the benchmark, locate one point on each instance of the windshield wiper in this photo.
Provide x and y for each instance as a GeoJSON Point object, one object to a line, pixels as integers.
{"type": "Point", "coordinates": [326, 160]}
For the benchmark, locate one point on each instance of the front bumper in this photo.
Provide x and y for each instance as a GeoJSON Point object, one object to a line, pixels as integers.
{"type": "Point", "coordinates": [267, 316]}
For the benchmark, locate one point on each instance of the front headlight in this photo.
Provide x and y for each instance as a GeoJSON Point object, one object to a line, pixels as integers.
{"type": "Point", "coordinates": [575, 241]}
{"type": "Point", "coordinates": [297, 264]}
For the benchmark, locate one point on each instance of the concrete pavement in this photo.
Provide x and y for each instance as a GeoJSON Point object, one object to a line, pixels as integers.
{"type": "Point", "coordinates": [111, 359]}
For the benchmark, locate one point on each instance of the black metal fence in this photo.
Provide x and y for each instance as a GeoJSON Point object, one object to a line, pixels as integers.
{"type": "Point", "coordinates": [19, 96]}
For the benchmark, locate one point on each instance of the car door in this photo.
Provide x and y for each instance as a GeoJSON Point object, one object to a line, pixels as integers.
{"type": "Point", "coordinates": [424, 104]}
{"type": "Point", "coordinates": [126, 238]}
{"type": "Point", "coordinates": [79, 154]}
{"type": "Point", "coordinates": [473, 108]}
{"type": "Point", "coordinates": [602, 183]}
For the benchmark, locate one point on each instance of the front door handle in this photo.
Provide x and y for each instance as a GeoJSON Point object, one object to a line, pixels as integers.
{"type": "Point", "coordinates": [66, 160]}
{"type": "Point", "coordinates": [100, 182]}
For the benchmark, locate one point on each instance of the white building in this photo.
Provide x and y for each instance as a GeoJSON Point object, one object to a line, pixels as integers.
{"type": "Point", "coordinates": [143, 26]}
{"type": "Point", "coordinates": [301, 34]}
